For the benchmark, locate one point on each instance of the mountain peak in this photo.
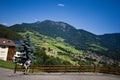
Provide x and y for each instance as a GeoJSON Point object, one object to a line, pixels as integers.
{"type": "Point", "coordinates": [57, 23]}
{"type": "Point", "coordinates": [38, 22]}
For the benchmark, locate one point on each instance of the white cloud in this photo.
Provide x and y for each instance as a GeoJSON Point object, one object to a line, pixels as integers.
{"type": "Point", "coordinates": [61, 5]}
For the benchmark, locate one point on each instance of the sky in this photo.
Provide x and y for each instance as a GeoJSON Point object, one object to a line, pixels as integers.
{"type": "Point", "coordinates": [96, 16]}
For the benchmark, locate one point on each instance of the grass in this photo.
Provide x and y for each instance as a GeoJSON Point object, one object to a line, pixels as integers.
{"type": "Point", "coordinates": [64, 58]}
{"type": "Point", "coordinates": [8, 65]}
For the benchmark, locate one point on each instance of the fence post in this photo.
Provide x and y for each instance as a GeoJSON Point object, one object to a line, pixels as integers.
{"type": "Point", "coordinates": [108, 70]}
{"type": "Point", "coordinates": [65, 69]}
{"type": "Point", "coordinates": [15, 68]}
{"type": "Point", "coordinates": [49, 70]}
{"type": "Point", "coordinates": [94, 68]}
{"type": "Point", "coordinates": [80, 68]}
{"type": "Point", "coordinates": [32, 68]}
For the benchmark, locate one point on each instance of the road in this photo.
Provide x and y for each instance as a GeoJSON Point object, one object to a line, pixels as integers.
{"type": "Point", "coordinates": [6, 74]}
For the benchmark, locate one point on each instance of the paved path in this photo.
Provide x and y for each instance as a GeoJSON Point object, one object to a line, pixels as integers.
{"type": "Point", "coordinates": [6, 74]}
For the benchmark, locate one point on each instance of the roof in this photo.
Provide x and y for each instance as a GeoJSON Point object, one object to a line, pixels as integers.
{"type": "Point", "coordinates": [6, 42]}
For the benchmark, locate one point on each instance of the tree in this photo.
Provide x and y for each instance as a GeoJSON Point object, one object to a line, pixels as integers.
{"type": "Point", "coordinates": [26, 50]}
{"type": "Point", "coordinates": [41, 56]}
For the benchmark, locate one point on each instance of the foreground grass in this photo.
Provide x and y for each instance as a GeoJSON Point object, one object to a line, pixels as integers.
{"type": "Point", "coordinates": [8, 65]}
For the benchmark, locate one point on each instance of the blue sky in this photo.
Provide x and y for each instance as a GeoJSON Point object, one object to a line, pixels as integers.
{"type": "Point", "coordinates": [96, 16]}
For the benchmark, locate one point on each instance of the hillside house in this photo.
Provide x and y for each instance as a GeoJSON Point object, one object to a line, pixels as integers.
{"type": "Point", "coordinates": [7, 49]}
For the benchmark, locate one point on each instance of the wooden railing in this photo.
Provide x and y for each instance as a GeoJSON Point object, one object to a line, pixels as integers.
{"type": "Point", "coordinates": [70, 68]}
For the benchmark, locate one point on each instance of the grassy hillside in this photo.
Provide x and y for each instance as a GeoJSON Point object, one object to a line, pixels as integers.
{"type": "Point", "coordinates": [56, 49]}
{"type": "Point", "coordinates": [5, 32]}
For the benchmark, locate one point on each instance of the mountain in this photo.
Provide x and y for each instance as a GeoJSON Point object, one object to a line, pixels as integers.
{"type": "Point", "coordinates": [79, 38]}
{"type": "Point", "coordinates": [112, 42]}
{"type": "Point", "coordinates": [5, 32]}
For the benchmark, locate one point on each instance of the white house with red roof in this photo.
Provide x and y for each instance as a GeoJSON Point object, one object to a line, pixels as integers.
{"type": "Point", "coordinates": [7, 49]}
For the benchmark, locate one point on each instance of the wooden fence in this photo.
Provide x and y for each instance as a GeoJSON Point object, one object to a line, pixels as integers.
{"type": "Point", "coordinates": [70, 68]}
